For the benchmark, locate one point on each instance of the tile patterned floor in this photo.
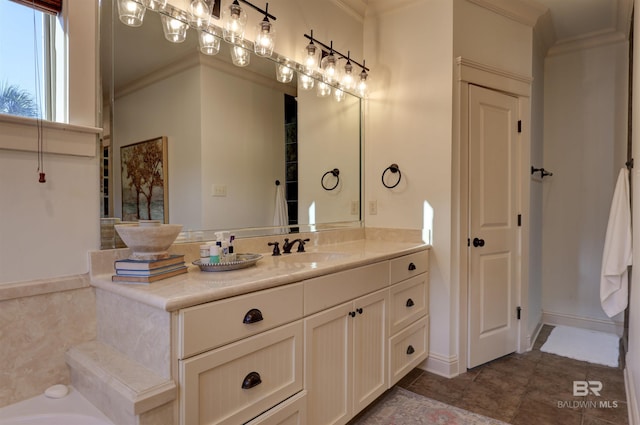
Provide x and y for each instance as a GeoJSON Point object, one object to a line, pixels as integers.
{"type": "Point", "coordinates": [530, 388]}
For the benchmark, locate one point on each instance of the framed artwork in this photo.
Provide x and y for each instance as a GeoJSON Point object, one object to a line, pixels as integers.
{"type": "Point", "coordinates": [144, 180]}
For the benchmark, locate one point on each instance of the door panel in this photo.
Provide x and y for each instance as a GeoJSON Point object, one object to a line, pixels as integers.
{"type": "Point", "coordinates": [493, 224]}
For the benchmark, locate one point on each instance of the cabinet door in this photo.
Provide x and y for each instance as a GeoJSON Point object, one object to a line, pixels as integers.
{"type": "Point", "coordinates": [328, 353]}
{"type": "Point", "coordinates": [369, 346]}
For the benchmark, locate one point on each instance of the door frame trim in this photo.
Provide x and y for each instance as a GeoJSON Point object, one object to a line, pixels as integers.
{"type": "Point", "coordinates": [469, 72]}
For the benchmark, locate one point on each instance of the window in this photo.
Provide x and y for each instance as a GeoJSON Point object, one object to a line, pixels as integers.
{"type": "Point", "coordinates": [28, 59]}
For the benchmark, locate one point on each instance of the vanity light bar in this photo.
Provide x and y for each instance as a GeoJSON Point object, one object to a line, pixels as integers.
{"type": "Point", "coordinates": [331, 49]}
{"type": "Point", "coordinates": [262, 11]}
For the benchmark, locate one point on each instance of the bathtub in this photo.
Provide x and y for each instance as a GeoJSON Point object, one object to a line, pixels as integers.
{"type": "Point", "coordinates": [72, 409]}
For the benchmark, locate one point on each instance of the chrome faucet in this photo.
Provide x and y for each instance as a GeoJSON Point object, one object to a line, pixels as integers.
{"type": "Point", "coordinates": [286, 247]}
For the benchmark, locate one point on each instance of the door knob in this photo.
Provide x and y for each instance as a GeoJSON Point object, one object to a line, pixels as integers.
{"type": "Point", "coordinates": [478, 242]}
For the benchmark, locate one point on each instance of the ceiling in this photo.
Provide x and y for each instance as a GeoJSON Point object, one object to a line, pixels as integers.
{"type": "Point", "coordinates": [583, 23]}
{"type": "Point", "coordinates": [563, 24]}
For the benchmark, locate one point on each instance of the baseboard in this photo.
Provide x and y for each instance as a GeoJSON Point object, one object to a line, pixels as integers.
{"type": "Point", "coordinates": [550, 318]}
{"type": "Point", "coordinates": [531, 339]}
{"type": "Point", "coordinates": [632, 400]}
{"type": "Point", "coordinates": [441, 365]}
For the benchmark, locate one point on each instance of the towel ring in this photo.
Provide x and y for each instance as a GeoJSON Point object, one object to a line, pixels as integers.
{"type": "Point", "coordinates": [336, 173]}
{"type": "Point", "coordinates": [394, 169]}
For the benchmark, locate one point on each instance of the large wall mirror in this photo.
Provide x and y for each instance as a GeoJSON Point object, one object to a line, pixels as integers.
{"type": "Point", "coordinates": [231, 134]}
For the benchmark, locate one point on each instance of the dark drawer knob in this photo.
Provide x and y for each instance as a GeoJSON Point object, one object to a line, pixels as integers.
{"type": "Point", "coordinates": [359, 310]}
{"type": "Point", "coordinates": [410, 303]}
{"type": "Point", "coordinates": [410, 350]}
{"type": "Point", "coordinates": [251, 380]}
{"type": "Point", "coordinates": [412, 266]}
{"type": "Point", "coordinates": [352, 313]}
{"type": "Point", "coordinates": [254, 315]}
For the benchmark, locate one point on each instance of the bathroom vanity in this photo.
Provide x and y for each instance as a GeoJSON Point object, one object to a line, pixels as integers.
{"type": "Point", "coordinates": [304, 338]}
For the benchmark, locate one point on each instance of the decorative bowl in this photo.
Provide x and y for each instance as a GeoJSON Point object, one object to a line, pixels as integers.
{"type": "Point", "coordinates": [148, 242]}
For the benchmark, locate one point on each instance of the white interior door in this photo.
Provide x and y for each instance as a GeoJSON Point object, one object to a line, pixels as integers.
{"type": "Point", "coordinates": [492, 280]}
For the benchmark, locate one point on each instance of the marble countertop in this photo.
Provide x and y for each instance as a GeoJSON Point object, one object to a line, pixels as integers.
{"type": "Point", "coordinates": [197, 287]}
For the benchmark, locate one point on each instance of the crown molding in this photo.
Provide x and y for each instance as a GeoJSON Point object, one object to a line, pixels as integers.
{"type": "Point", "coordinates": [355, 8]}
{"type": "Point", "coordinates": [526, 12]}
{"type": "Point", "coordinates": [587, 41]}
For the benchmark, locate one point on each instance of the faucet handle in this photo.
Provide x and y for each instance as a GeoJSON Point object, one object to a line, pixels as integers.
{"type": "Point", "coordinates": [301, 244]}
{"type": "Point", "coordinates": [276, 248]}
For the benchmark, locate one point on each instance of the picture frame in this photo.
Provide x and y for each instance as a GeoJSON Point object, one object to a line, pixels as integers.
{"type": "Point", "coordinates": [144, 176]}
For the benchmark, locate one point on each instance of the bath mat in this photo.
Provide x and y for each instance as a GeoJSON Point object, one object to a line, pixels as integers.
{"type": "Point", "coordinates": [402, 407]}
{"type": "Point", "coordinates": [583, 344]}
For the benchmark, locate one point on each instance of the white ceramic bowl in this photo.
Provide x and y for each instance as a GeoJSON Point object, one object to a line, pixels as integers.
{"type": "Point", "coordinates": [148, 242]}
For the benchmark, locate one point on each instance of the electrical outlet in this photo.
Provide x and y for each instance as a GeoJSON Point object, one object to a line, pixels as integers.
{"type": "Point", "coordinates": [218, 190]}
{"type": "Point", "coordinates": [373, 207]}
{"type": "Point", "coordinates": [354, 208]}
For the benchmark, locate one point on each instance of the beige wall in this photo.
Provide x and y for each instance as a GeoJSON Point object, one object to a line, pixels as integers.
{"type": "Point", "coordinates": [585, 136]}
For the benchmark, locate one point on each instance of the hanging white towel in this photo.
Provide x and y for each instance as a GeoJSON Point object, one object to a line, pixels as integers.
{"type": "Point", "coordinates": [617, 254]}
{"type": "Point", "coordinates": [280, 216]}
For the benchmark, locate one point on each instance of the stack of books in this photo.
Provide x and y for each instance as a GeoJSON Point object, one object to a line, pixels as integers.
{"type": "Point", "coordinates": [148, 270]}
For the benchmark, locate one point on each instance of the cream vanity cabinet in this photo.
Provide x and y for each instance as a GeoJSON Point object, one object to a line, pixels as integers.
{"type": "Point", "coordinates": [345, 342]}
{"type": "Point", "coordinates": [408, 314]}
{"type": "Point", "coordinates": [314, 352]}
{"type": "Point", "coordinates": [240, 357]}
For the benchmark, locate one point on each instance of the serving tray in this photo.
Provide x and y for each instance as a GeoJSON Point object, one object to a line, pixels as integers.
{"type": "Point", "coordinates": [242, 261]}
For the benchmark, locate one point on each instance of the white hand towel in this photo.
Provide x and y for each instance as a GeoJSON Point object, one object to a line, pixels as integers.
{"type": "Point", "coordinates": [617, 254]}
{"type": "Point", "coordinates": [280, 216]}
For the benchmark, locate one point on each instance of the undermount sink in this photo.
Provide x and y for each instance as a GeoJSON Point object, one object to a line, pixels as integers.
{"type": "Point", "coordinates": [311, 257]}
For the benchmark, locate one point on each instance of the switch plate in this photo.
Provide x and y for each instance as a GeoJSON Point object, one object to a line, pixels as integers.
{"type": "Point", "coordinates": [354, 208]}
{"type": "Point", "coordinates": [219, 190]}
{"type": "Point", "coordinates": [373, 207]}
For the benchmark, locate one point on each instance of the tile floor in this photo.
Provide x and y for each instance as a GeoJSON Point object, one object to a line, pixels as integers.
{"type": "Point", "coordinates": [530, 388]}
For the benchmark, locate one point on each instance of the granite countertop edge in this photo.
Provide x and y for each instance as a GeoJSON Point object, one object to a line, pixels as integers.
{"type": "Point", "coordinates": [198, 287]}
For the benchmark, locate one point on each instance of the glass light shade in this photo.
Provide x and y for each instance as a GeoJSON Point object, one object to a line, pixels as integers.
{"type": "Point", "coordinates": [130, 12]}
{"type": "Point", "coordinates": [329, 67]}
{"type": "Point", "coordinates": [199, 13]}
{"type": "Point", "coordinates": [323, 89]}
{"type": "Point", "coordinates": [362, 87]}
{"type": "Point", "coordinates": [209, 43]}
{"type": "Point", "coordinates": [347, 80]}
{"type": "Point", "coordinates": [155, 5]}
{"type": "Point", "coordinates": [338, 94]}
{"type": "Point", "coordinates": [234, 19]}
{"type": "Point", "coordinates": [265, 38]}
{"type": "Point", "coordinates": [175, 30]}
{"type": "Point", "coordinates": [305, 82]}
{"type": "Point", "coordinates": [240, 56]}
{"type": "Point", "coordinates": [284, 73]}
{"type": "Point", "coordinates": [311, 54]}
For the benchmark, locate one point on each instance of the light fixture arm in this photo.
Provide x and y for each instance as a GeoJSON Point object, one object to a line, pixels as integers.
{"type": "Point", "coordinates": [264, 12]}
{"type": "Point", "coordinates": [331, 49]}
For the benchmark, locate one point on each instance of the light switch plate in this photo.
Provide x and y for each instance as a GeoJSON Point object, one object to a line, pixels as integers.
{"type": "Point", "coordinates": [219, 190]}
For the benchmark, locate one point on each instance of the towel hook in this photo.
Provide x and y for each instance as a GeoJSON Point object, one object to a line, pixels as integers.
{"type": "Point", "coordinates": [542, 171]}
{"type": "Point", "coordinates": [336, 173]}
{"type": "Point", "coordinates": [394, 169]}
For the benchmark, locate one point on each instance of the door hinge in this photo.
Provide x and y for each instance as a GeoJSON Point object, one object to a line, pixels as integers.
{"type": "Point", "coordinates": [519, 220]}
{"type": "Point", "coordinates": [518, 311]}
{"type": "Point", "coordinates": [519, 126]}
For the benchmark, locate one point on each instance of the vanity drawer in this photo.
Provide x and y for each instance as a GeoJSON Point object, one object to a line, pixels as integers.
{"type": "Point", "coordinates": [292, 411]}
{"type": "Point", "coordinates": [409, 301]}
{"type": "Point", "coordinates": [269, 366]}
{"type": "Point", "coordinates": [211, 325]}
{"type": "Point", "coordinates": [408, 349]}
{"type": "Point", "coordinates": [323, 292]}
{"type": "Point", "coordinates": [409, 265]}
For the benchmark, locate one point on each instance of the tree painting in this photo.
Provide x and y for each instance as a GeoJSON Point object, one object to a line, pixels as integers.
{"type": "Point", "coordinates": [144, 169]}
